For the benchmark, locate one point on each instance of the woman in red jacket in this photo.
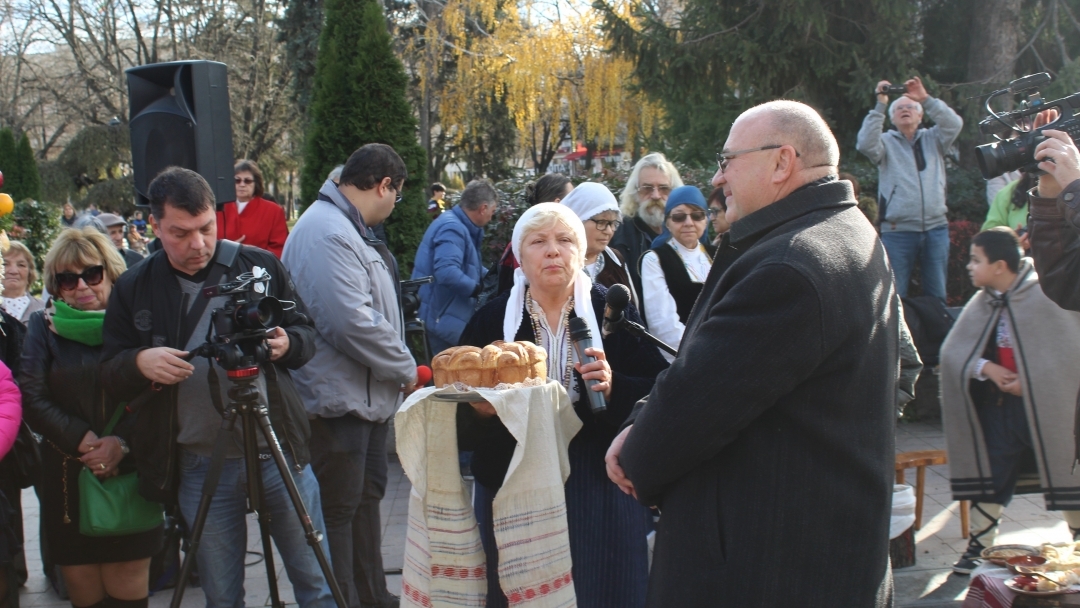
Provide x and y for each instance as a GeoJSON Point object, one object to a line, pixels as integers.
{"type": "Point", "coordinates": [251, 219]}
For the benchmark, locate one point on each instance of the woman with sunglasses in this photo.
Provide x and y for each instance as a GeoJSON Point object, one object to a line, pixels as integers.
{"type": "Point", "coordinates": [673, 271]}
{"type": "Point", "coordinates": [251, 219]}
{"type": "Point", "coordinates": [599, 211]}
{"type": "Point", "coordinates": [64, 401]}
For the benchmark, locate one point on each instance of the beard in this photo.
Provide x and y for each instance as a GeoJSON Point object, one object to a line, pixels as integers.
{"type": "Point", "coordinates": [652, 212]}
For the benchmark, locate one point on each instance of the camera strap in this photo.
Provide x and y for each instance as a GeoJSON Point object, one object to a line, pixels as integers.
{"type": "Point", "coordinates": [226, 255]}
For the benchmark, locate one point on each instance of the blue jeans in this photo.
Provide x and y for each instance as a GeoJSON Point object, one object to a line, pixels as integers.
{"type": "Point", "coordinates": [224, 539]}
{"type": "Point", "coordinates": [930, 248]}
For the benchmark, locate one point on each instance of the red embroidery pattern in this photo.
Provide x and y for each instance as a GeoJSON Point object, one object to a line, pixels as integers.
{"type": "Point", "coordinates": [521, 596]}
{"type": "Point", "coordinates": [479, 572]}
{"type": "Point", "coordinates": [415, 595]}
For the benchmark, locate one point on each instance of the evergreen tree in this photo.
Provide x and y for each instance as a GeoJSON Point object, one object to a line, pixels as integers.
{"type": "Point", "coordinates": [25, 180]}
{"type": "Point", "coordinates": [7, 158]}
{"type": "Point", "coordinates": [359, 98]}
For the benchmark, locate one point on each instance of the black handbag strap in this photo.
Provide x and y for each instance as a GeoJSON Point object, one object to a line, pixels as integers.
{"type": "Point", "coordinates": [226, 255]}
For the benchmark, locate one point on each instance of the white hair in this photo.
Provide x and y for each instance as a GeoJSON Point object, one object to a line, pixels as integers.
{"type": "Point", "coordinates": [628, 200]}
{"type": "Point", "coordinates": [892, 106]}
{"type": "Point", "coordinates": [544, 216]}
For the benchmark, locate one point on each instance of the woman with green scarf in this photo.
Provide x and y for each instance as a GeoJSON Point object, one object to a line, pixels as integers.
{"type": "Point", "coordinates": [63, 400]}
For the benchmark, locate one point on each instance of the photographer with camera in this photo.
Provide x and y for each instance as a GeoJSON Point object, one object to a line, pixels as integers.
{"type": "Point", "coordinates": [1055, 217]}
{"type": "Point", "coordinates": [911, 181]}
{"type": "Point", "coordinates": [353, 384]}
{"type": "Point", "coordinates": [156, 314]}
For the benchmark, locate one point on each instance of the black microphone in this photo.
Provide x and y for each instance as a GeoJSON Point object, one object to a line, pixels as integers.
{"type": "Point", "coordinates": [582, 339]}
{"type": "Point", "coordinates": [618, 298]}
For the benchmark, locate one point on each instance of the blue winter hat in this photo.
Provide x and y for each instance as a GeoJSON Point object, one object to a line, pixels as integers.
{"type": "Point", "coordinates": [683, 195]}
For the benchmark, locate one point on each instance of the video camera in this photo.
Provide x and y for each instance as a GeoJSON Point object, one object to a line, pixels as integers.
{"type": "Point", "coordinates": [892, 89]}
{"type": "Point", "coordinates": [410, 296]}
{"type": "Point", "coordinates": [236, 337]}
{"type": "Point", "coordinates": [1016, 141]}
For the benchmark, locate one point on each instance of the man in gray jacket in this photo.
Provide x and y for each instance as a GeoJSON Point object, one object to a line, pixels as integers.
{"type": "Point", "coordinates": [911, 182]}
{"type": "Point", "coordinates": [353, 384]}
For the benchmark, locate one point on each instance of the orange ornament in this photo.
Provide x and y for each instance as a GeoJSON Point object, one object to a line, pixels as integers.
{"type": "Point", "coordinates": [7, 205]}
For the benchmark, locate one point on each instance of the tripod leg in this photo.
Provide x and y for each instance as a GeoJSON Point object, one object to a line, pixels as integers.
{"type": "Point", "coordinates": [257, 502]}
{"type": "Point", "coordinates": [312, 535]}
{"type": "Point", "coordinates": [210, 485]}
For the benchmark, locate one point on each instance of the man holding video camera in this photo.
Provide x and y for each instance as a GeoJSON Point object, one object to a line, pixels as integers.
{"type": "Point", "coordinates": [156, 314]}
{"type": "Point", "coordinates": [911, 181]}
{"type": "Point", "coordinates": [1055, 219]}
{"type": "Point", "coordinates": [354, 383]}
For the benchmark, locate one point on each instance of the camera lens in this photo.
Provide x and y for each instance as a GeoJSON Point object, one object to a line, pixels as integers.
{"type": "Point", "coordinates": [262, 314]}
{"type": "Point", "coordinates": [1004, 156]}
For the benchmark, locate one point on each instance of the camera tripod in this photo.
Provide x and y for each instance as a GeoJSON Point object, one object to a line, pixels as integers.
{"type": "Point", "coordinates": [244, 403]}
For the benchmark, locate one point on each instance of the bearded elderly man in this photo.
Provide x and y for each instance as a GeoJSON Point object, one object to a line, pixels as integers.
{"type": "Point", "coordinates": [790, 450]}
{"type": "Point", "coordinates": [642, 205]}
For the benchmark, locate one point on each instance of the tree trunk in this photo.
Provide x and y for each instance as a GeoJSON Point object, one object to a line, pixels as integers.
{"type": "Point", "coordinates": [995, 38]}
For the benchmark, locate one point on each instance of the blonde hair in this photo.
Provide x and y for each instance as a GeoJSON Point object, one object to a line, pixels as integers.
{"type": "Point", "coordinates": [16, 247]}
{"type": "Point", "coordinates": [81, 247]}
{"type": "Point", "coordinates": [628, 200]}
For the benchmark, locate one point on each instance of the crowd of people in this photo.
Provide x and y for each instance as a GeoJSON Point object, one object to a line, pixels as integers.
{"type": "Point", "coordinates": [793, 355]}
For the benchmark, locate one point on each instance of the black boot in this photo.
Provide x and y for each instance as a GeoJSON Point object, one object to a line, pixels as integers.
{"type": "Point", "coordinates": [984, 523]}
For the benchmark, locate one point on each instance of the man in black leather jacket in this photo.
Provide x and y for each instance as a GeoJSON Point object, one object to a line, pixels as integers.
{"type": "Point", "coordinates": [156, 314]}
{"type": "Point", "coordinates": [1055, 220]}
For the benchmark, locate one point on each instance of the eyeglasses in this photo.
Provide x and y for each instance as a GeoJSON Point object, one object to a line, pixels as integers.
{"type": "Point", "coordinates": [713, 212]}
{"type": "Point", "coordinates": [70, 280]}
{"type": "Point", "coordinates": [647, 190]}
{"type": "Point", "coordinates": [603, 225]}
{"type": "Point", "coordinates": [244, 180]}
{"type": "Point", "coordinates": [723, 159]}
{"type": "Point", "coordinates": [398, 190]}
{"type": "Point", "coordinates": [680, 217]}
{"type": "Point", "coordinates": [906, 106]}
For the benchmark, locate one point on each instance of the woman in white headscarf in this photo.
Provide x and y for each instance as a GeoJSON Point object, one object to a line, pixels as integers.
{"type": "Point", "coordinates": [607, 528]}
{"type": "Point", "coordinates": [598, 210]}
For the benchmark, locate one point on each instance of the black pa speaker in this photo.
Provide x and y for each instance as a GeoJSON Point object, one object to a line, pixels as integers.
{"type": "Point", "coordinates": [180, 116]}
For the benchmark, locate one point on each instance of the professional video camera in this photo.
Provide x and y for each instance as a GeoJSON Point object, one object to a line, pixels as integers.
{"type": "Point", "coordinates": [410, 297]}
{"type": "Point", "coordinates": [415, 332]}
{"type": "Point", "coordinates": [1016, 140]}
{"type": "Point", "coordinates": [236, 337]}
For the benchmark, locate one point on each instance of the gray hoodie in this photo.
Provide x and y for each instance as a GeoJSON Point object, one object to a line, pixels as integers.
{"type": "Point", "coordinates": [349, 285]}
{"type": "Point", "coordinates": [910, 199]}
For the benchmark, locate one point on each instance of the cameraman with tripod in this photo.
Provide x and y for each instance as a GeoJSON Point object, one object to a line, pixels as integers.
{"type": "Point", "coordinates": [156, 314]}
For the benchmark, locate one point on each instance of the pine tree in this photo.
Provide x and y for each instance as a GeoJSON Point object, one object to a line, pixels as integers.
{"type": "Point", "coordinates": [7, 158]}
{"type": "Point", "coordinates": [359, 98]}
{"type": "Point", "coordinates": [25, 180]}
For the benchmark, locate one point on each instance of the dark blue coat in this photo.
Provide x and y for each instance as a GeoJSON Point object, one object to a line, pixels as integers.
{"type": "Point", "coordinates": [450, 251]}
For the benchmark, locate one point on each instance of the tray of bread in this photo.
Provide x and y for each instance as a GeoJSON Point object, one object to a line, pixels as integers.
{"type": "Point", "coordinates": [500, 365]}
{"type": "Point", "coordinates": [1058, 570]}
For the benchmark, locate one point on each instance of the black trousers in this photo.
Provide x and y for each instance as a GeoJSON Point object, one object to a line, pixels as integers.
{"type": "Point", "coordinates": [1008, 443]}
{"type": "Point", "coordinates": [348, 456]}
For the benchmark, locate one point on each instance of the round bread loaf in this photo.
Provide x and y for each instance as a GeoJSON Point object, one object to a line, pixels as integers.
{"type": "Point", "coordinates": [494, 364]}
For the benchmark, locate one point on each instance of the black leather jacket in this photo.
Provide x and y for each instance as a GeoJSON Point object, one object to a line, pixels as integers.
{"type": "Point", "coordinates": [144, 312]}
{"type": "Point", "coordinates": [1055, 245]}
{"type": "Point", "coordinates": [61, 386]}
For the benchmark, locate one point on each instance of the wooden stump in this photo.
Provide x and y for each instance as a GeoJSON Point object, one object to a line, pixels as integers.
{"type": "Point", "coordinates": [902, 549]}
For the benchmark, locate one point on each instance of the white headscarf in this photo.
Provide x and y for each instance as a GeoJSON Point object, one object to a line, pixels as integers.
{"type": "Point", "coordinates": [590, 199]}
{"type": "Point", "coordinates": [583, 307]}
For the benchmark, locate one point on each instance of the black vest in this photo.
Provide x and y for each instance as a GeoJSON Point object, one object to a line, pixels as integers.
{"type": "Point", "coordinates": [682, 287]}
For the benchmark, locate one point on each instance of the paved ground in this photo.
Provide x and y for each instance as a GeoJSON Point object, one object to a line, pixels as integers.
{"type": "Point", "coordinates": [927, 584]}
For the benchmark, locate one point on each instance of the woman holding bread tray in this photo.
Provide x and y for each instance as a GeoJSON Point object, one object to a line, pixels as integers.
{"type": "Point", "coordinates": [607, 529]}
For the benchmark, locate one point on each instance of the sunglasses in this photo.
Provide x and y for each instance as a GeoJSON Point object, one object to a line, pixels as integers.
{"type": "Point", "coordinates": [648, 189]}
{"type": "Point", "coordinates": [678, 218]}
{"type": "Point", "coordinates": [244, 180]}
{"type": "Point", "coordinates": [70, 280]}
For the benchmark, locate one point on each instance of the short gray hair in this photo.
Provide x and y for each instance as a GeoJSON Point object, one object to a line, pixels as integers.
{"type": "Point", "coordinates": [628, 200]}
{"type": "Point", "coordinates": [892, 106]}
{"type": "Point", "coordinates": [478, 192]}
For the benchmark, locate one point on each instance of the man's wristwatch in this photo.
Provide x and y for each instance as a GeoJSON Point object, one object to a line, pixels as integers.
{"type": "Point", "coordinates": [123, 446]}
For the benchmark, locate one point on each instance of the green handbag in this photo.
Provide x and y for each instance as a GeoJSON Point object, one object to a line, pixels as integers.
{"type": "Point", "coordinates": [113, 506]}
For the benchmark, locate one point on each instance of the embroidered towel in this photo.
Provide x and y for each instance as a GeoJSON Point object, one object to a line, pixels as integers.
{"type": "Point", "coordinates": [444, 560]}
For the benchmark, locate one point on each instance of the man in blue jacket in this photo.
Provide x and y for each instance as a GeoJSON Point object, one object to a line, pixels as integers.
{"type": "Point", "coordinates": [911, 182]}
{"type": "Point", "coordinates": [450, 252]}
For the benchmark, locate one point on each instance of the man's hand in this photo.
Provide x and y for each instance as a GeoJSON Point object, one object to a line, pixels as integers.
{"type": "Point", "coordinates": [598, 370]}
{"type": "Point", "coordinates": [882, 97]}
{"type": "Point", "coordinates": [915, 90]}
{"type": "Point", "coordinates": [164, 365]}
{"type": "Point", "coordinates": [614, 470]}
{"type": "Point", "coordinates": [1025, 240]}
{"type": "Point", "coordinates": [278, 341]}
{"type": "Point", "coordinates": [1060, 159]}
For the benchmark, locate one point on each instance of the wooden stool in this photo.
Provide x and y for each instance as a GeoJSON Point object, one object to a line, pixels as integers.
{"type": "Point", "coordinates": [920, 460]}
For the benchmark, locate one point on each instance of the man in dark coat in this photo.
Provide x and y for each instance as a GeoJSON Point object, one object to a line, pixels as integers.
{"type": "Point", "coordinates": [768, 443]}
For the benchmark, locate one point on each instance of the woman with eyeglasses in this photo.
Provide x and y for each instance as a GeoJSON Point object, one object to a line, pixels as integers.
{"type": "Point", "coordinates": [64, 401]}
{"type": "Point", "coordinates": [674, 270]}
{"type": "Point", "coordinates": [251, 219]}
{"type": "Point", "coordinates": [599, 211]}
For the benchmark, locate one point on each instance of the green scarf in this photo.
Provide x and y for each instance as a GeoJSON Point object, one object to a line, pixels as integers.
{"type": "Point", "coordinates": [79, 325]}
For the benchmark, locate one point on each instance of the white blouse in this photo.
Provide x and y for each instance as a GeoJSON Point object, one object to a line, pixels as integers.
{"type": "Point", "coordinates": [660, 310]}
